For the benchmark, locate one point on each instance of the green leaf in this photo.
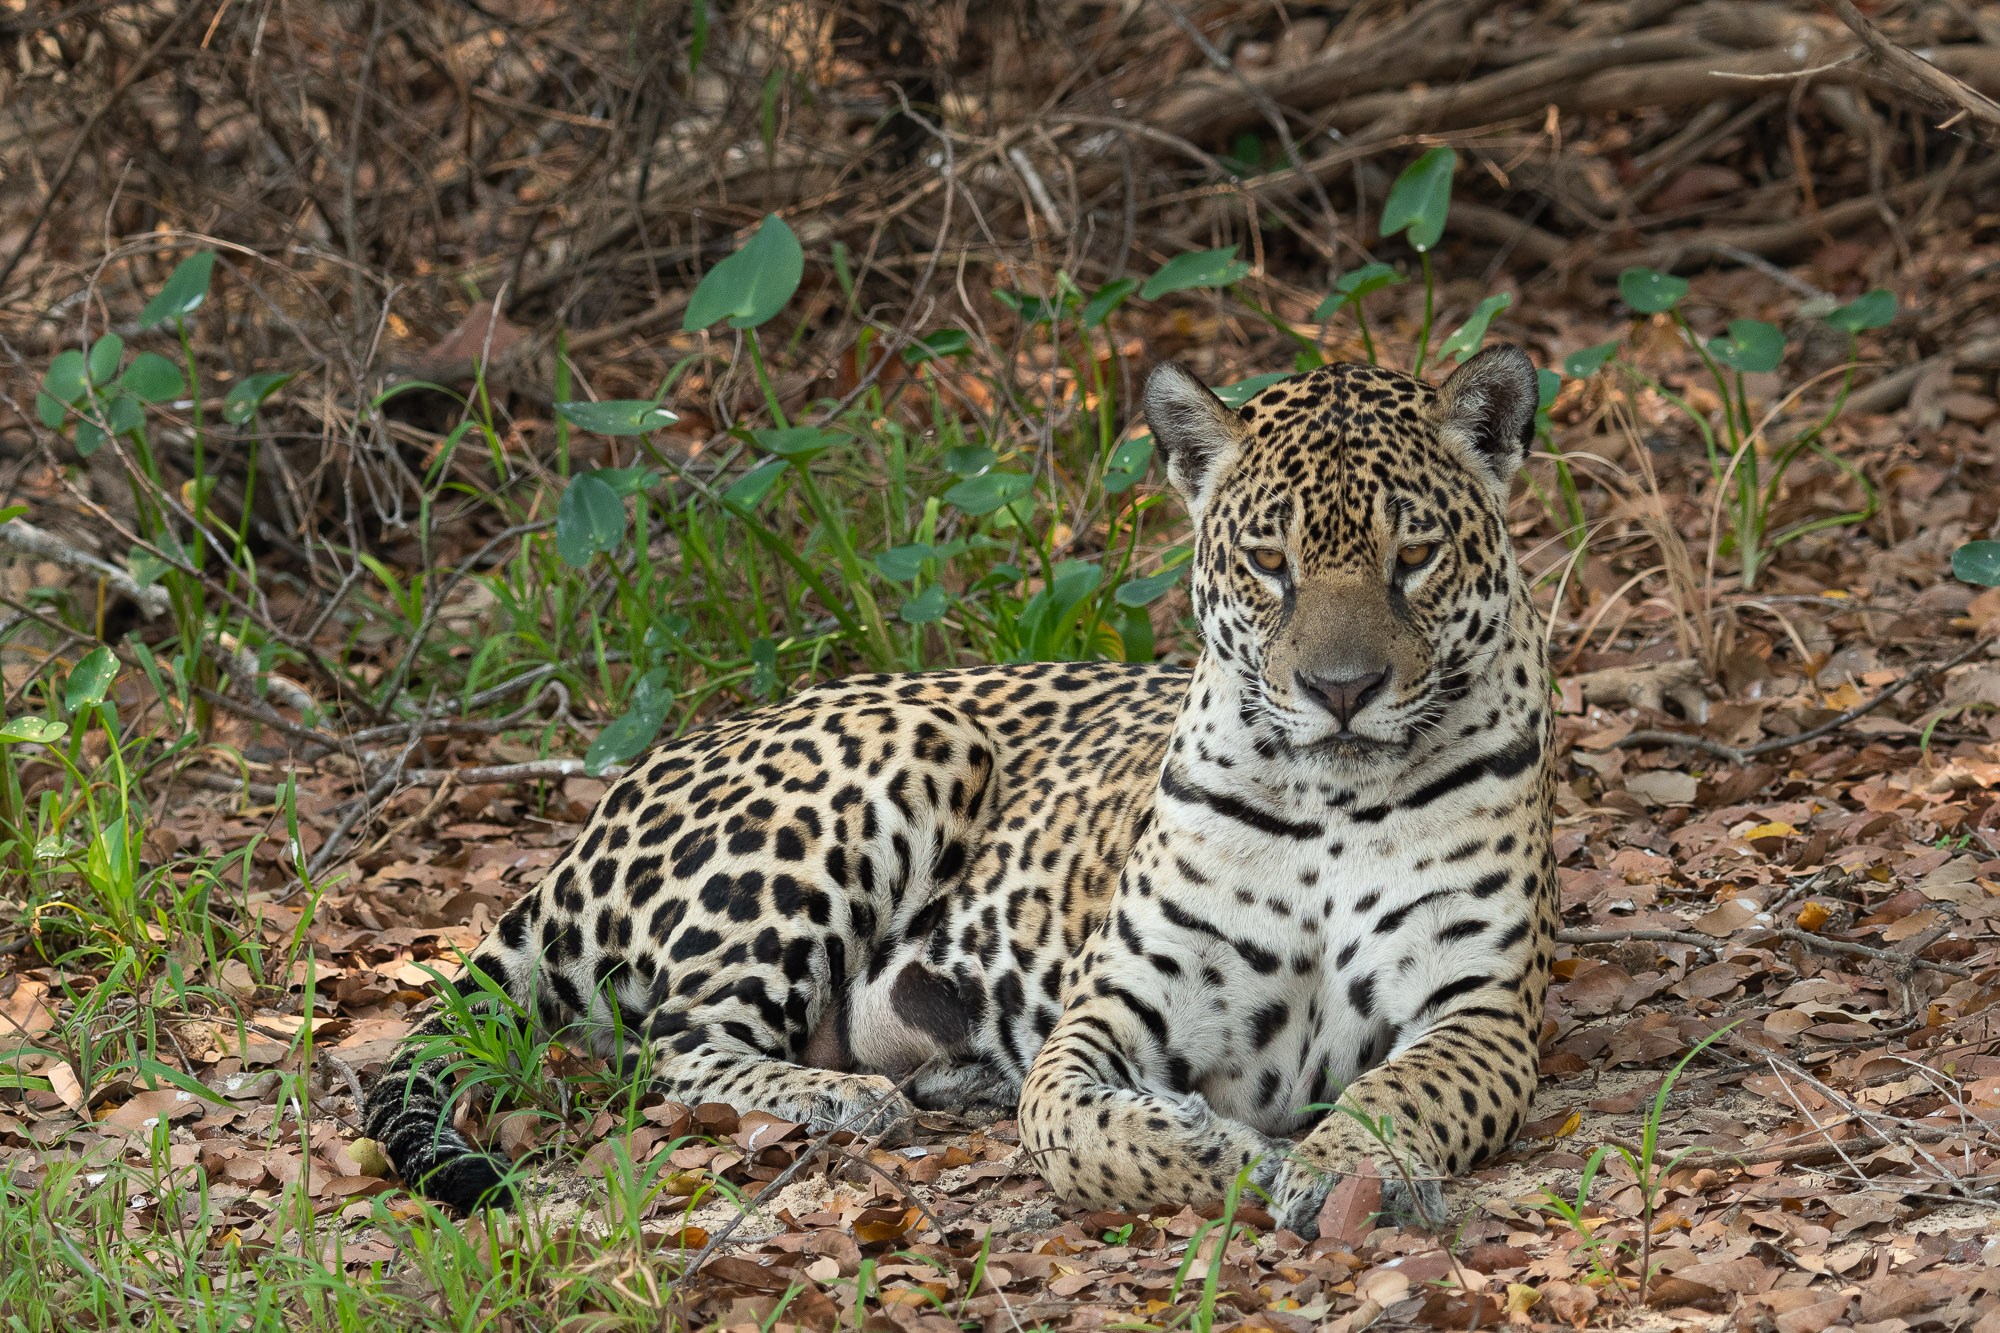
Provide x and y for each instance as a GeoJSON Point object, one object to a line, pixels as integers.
{"type": "Point", "coordinates": [626, 481]}
{"type": "Point", "coordinates": [1198, 268]}
{"type": "Point", "coordinates": [1241, 392]}
{"type": "Point", "coordinates": [1105, 300]}
{"type": "Point", "coordinates": [1128, 463]}
{"type": "Point", "coordinates": [89, 438]}
{"type": "Point", "coordinates": [1465, 339]}
{"type": "Point", "coordinates": [242, 401]}
{"type": "Point", "coordinates": [936, 346]}
{"type": "Point", "coordinates": [589, 518]}
{"type": "Point", "coordinates": [1977, 562]}
{"type": "Point", "coordinates": [105, 354]}
{"type": "Point", "coordinates": [1135, 635]}
{"type": "Point", "coordinates": [1033, 309]}
{"type": "Point", "coordinates": [12, 512]}
{"type": "Point", "coordinates": [902, 564]}
{"type": "Point", "coordinates": [1351, 286]}
{"type": "Point", "coordinates": [1751, 346]}
{"type": "Point", "coordinates": [1547, 385]}
{"type": "Point", "coordinates": [145, 566]}
{"type": "Point", "coordinates": [749, 490]}
{"type": "Point", "coordinates": [1649, 291]}
{"type": "Point", "coordinates": [1141, 591]}
{"type": "Point", "coordinates": [801, 444]}
{"type": "Point", "coordinates": [753, 284]}
{"type": "Point", "coordinates": [764, 658]}
{"type": "Point", "coordinates": [66, 379]}
{"type": "Point", "coordinates": [1588, 361]}
{"type": "Point", "coordinates": [969, 460]}
{"type": "Point", "coordinates": [186, 289]}
{"type": "Point", "coordinates": [124, 415]}
{"type": "Point", "coordinates": [50, 411]}
{"type": "Point", "coordinates": [152, 378]}
{"type": "Point", "coordinates": [619, 416]}
{"type": "Point", "coordinates": [988, 492]}
{"type": "Point", "coordinates": [32, 730]}
{"type": "Point", "coordinates": [927, 607]}
{"type": "Point", "coordinates": [667, 635]}
{"type": "Point", "coordinates": [89, 679]}
{"type": "Point", "coordinates": [631, 732]}
{"type": "Point", "coordinates": [1420, 198]}
{"type": "Point", "coordinates": [1869, 311]}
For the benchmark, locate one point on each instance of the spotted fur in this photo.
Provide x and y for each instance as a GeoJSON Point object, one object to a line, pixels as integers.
{"type": "Point", "coordinates": [1174, 915]}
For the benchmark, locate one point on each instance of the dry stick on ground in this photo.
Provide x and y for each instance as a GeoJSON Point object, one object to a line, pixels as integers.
{"type": "Point", "coordinates": [1875, 1120]}
{"type": "Point", "coordinates": [1801, 937]}
{"type": "Point", "coordinates": [1916, 73]}
{"type": "Point", "coordinates": [1744, 754]}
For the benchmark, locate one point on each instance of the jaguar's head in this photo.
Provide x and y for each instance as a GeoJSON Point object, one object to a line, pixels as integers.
{"type": "Point", "coordinates": [1352, 564]}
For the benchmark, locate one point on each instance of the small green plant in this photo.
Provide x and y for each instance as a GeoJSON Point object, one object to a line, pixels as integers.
{"type": "Point", "coordinates": [1650, 1174]}
{"type": "Point", "coordinates": [1746, 471]}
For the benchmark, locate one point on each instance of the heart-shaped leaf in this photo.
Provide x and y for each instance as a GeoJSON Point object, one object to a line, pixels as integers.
{"type": "Point", "coordinates": [1871, 310]}
{"type": "Point", "coordinates": [1751, 346]}
{"type": "Point", "coordinates": [32, 731]}
{"type": "Point", "coordinates": [105, 354]}
{"type": "Point", "coordinates": [1105, 300]}
{"type": "Point", "coordinates": [749, 490]}
{"type": "Point", "coordinates": [927, 607]}
{"type": "Point", "coordinates": [988, 492]}
{"type": "Point", "coordinates": [1420, 198]}
{"type": "Point", "coordinates": [753, 284]}
{"type": "Point", "coordinates": [185, 290]}
{"type": "Point", "coordinates": [151, 378]}
{"type": "Point", "coordinates": [1466, 338]}
{"type": "Point", "coordinates": [89, 679]}
{"type": "Point", "coordinates": [1355, 284]}
{"type": "Point", "coordinates": [969, 460]}
{"type": "Point", "coordinates": [589, 518]}
{"type": "Point", "coordinates": [242, 401]}
{"type": "Point", "coordinates": [66, 379]}
{"type": "Point", "coordinates": [1588, 361]}
{"type": "Point", "coordinates": [631, 732]}
{"type": "Point", "coordinates": [1199, 268]}
{"type": "Point", "coordinates": [1649, 291]}
{"type": "Point", "coordinates": [618, 416]}
{"type": "Point", "coordinates": [1127, 464]}
{"type": "Point", "coordinates": [1138, 592]}
{"type": "Point", "coordinates": [1977, 562]}
{"type": "Point", "coordinates": [124, 415]}
{"type": "Point", "coordinates": [902, 564]}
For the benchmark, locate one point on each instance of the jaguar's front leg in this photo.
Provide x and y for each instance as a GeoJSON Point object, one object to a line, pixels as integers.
{"type": "Point", "coordinates": [1109, 1117]}
{"type": "Point", "coordinates": [1449, 1101]}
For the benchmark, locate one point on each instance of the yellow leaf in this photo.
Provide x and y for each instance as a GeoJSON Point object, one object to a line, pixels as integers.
{"type": "Point", "coordinates": [1521, 1298]}
{"type": "Point", "coordinates": [1570, 1125]}
{"type": "Point", "coordinates": [1814, 915]}
{"type": "Point", "coordinates": [1777, 828]}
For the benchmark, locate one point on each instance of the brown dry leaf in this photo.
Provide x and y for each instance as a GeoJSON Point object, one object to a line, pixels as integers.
{"type": "Point", "coordinates": [1351, 1206]}
{"type": "Point", "coordinates": [140, 1115]}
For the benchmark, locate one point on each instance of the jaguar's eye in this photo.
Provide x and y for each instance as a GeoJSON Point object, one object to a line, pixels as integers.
{"type": "Point", "coordinates": [1268, 560]}
{"type": "Point", "coordinates": [1415, 555]}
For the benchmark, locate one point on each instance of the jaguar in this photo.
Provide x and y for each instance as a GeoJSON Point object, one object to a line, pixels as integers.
{"type": "Point", "coordinates": [1281, 917]}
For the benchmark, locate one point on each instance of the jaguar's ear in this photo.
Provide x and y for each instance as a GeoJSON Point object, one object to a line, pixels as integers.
{"type": "Point", "coordinates": [1487, 410]}
{"type": "Point", "coordinates": [1198, 436]}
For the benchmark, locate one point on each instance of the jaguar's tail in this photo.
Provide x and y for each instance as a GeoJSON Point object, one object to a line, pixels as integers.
{"type": "Point", "coordinates": [408, 1112]}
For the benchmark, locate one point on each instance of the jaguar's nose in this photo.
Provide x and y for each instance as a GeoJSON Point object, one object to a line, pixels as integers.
{"type": "Point", "coordinates": [1343, 693]}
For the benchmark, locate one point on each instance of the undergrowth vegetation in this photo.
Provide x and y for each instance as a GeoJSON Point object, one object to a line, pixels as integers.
{"type": "Point", "coordinates": [967, 498]}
